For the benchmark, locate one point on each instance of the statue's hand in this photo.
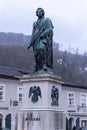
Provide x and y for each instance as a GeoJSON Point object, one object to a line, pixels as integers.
{"type": "Point", "coordinates": [28, 47]}
{"type": "Point", "coordinates": [41, 36]}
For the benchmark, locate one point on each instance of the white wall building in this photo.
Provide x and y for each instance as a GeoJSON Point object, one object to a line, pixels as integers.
{"type": "Point", "coordinates": [74, 104]}
{"type": "Point", "coordinates": [11, 96]}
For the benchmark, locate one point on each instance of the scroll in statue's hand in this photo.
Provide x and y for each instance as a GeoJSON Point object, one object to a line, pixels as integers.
{"type": "Point", "coordinates": [29, 46]}
{"type": "Point", "coordinates": [41, 36]}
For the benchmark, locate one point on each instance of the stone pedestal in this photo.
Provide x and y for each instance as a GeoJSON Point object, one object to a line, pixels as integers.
{"type": "Point", "coordinates": [41, 103]}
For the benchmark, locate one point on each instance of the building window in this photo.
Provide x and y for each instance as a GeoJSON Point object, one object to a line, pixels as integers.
{"type": "Point", "coordinates": [20, 94]}
{"type": "Point", "coordinates": [83, 123]}
{"type": "Point", "coordinates": [2, 92]}
{"type": "Point", "coordinates": [71, 98]}
{"type": "Point", "coordinates": [83, 99]}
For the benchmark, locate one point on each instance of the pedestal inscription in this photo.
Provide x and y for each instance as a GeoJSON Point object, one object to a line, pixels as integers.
{"type": "Point", "coordinates": [41, 120]}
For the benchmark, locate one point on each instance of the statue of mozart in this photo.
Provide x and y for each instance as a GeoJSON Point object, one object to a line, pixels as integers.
{"type": "Point", "coordinates": [41, 41]}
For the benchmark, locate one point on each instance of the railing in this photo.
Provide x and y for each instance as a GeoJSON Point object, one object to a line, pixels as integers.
{"type": "Point", "coordinates": [82, 108]}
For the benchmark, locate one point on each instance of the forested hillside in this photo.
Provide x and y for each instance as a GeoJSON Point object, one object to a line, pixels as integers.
{"type": "Point", "coordinates": [14, 39]}
{"type": "Point", "coordinates": [14, 53]}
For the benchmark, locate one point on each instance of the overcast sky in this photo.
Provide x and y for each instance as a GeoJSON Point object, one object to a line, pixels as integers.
{"type": "Point", "coordinates": [69, 18]}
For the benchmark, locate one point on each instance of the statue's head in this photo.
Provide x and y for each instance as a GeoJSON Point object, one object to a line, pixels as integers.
{"type": "Point", "coordinates": [40, 12]}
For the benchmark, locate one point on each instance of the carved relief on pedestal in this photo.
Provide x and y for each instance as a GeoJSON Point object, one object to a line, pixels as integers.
{"type": "Point", "coordinates": [34, 93]}
{"type": "Point", "coordinates": [55, 96]}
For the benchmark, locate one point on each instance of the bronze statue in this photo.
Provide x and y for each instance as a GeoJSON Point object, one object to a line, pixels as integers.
{"type": "Point", "coordinates": [41, 41]}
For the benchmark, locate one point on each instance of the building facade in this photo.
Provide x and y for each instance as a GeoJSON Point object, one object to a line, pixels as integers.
{"type": "Point", "coordinates": [10, 101]}
{"type": "Point", "coordinates": [11, 97]}
{"type": "Point", "coordinates": [74, 104]}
